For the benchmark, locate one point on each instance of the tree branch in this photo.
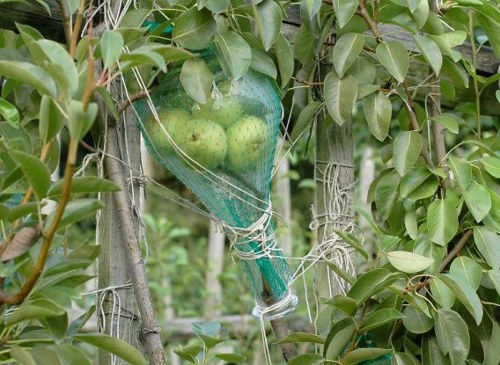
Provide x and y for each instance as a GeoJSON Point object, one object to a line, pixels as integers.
{"type": "Point", "coordinates": [281, 330]}
{"type": "Point", "coordinates": [456, 250]}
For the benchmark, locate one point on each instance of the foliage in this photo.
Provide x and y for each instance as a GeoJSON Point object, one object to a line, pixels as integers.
{"type": "Point", "coordinates": [435, 275]}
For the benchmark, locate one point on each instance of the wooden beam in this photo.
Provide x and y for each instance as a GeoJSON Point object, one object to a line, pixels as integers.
{"type": "Point", "coordinates": [34, 15]}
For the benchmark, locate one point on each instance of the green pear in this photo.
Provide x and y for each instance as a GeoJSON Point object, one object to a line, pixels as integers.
{"type": "Point", "coordinates": [224, 110]}
{"type": "Point", "coordinates": [204, 141]}
{"type": "Point", "coordinates": [173, 121]}
{"type": "Point", "coordinates": [245, 143]}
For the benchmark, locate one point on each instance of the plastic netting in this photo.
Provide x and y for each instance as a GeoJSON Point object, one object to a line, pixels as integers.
{"type": "Point", "coordinates": [224, 152]}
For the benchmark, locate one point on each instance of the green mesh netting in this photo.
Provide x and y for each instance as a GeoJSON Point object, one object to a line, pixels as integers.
{"type": "Point", "coordinates": [224, 152]}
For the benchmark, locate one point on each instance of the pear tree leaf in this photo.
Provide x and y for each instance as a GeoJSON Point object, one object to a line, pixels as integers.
{"type": "Point", "coordinates": [409, 262]}
{"type": "Point", "coordinates": [197, 79]}
{"type": "Point", "coordinates": [431, 52]}
{"type": "Point", "coordinates": [406, 149]}
{"type": "Point", "coordinates": [111, 45]}
{"type": "Point", "coordinates": [378, 113]}
{"type": "Point", "coordinates": [340, 96]}
{"type": "Point", "coordinates": [234, 53]}
{"type": "Point", "coordinates": [268, 17]}
{"type": "Point", "coordinates": [442, 221]}
{"type": "Point", "coordinates": [394, 57]}
{"type": "Point", "coordinates": [346, 51]}
{"type": "Point", "coordinates": [452, 335]}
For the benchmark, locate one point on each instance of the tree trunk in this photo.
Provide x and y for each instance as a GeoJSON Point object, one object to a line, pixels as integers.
{"type": "Point", "coordinates": [334, 175]}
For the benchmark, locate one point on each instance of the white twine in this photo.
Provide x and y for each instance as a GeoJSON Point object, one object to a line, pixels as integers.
{"type": "Point", "coordinates": [257, 232]}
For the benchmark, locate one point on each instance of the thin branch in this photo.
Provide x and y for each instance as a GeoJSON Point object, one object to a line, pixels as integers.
{"type": "Point", "coordinates": [281, 330]}
{"type": "Point", "coordinates": [49, 234]}
{"type": "Point", "coordinates": [456, 250]}
{"type": "Point", "coordinates": [134, 97]}
{"type": "Point", "coordinates": [150, 328]}
{"type": "Point", "coordinates": [76, 30]}
{"type": "Point", "coordinates": [66, 20]}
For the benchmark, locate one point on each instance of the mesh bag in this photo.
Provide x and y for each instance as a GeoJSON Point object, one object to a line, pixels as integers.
{"type": "Point", "coordinates": [224, 152]}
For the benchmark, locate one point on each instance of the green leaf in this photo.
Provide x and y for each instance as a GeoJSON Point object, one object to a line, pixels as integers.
{"type": "Point", "coordinates": [111, 45]}
{"type": "Point", "coordinates": [80, 120]}
{"type": "Point", "coordinates": [431, 353]}
{"type": "Point", "coordinates": [494, 276]}
{"type": "Point", "coordinates": [371, 283]}
{"type": "Point", "coordinates": [306, 359]}
{"type": "Point", "coordinates": [346, 51]}
{"type": "Point", "coordinates": [9, 113]}
{"type": "Point", "coordinates": [29, 74]}
{"type": "Point", "coordinates": [338, 338]}
{"type": "Point", "coordinates": [465, 294]}
{"type": "Point", "coordinates": [263, 63]}
{"type": "Point", "coordinates": [197, 79]}
{"type": "Point", "coordinates": [75, 211]}
{"type": "Point", "coordinates": [51, 119]}
{"type": "Point", "coordinates": [462, 171]}
{"type": "Point", "coordinates": [409, 262]}
{"type": "Point", "coordinates": [234, 53]}
{"type": "Point", "coordinates": [386, 193]}
{"type": "Point", "coordinates": [85, 185]}
{"type": "Point", "coordinates": [413, 180]}
{"type": "Point", "coordinates": [363, 354]}
{"type": "Point", "coordinates": [340, 96]}
{"type": "Point", "coordinates": [312, 7]}
{"type": "Point", "coordinates": [22, 356]}
{"type": "Point", "coordinates": [431, 52]}
{"type": "Point", "coordinates": [417, 321]}
{"type": "Point", "coordinates": [284, 55]}
{"type": "Point", "coordinates": [194, 29]}
{"type": "Point", "coordinates": [35, 171]}
{"type": "Point", "coordinates": [443, 295]}
{"type": "Point", "coordinates": [143, 56]}
{"type": "Point", "coordinates": [394, 57]}
{"type": "Point", "coordinates": [491, 165]}
{"type": "Point", "coordinates": [231, 358]}
{"type": "Point", "coordinates": [134, 18]}
{"type": "Point", "coordinates": [378, 113]}
{"type": "Point", "coordinates": [113, 345]}
{"type": "Point", "coordinates": [447, 41]}
{"type": "Point", "coordinates": [306, 117]}
{"type": "Point", "coordinates": [466, 269]}
{"type": "Point", "coordinates": [296, 337]}
{"type": "Point", "coordinates": [45, 356]}
{"type": "Point", "coordinates": [304, 45]}
{"type": "Point", "coordinates": [442, 221]}
{"type": "Point", "coordinates": [71, 355]}
{"type": "Point", "coordinates": [452, 335]}
{"type": "Point", "coordinates": [406, 149]}
{"type": "Point", "coordinates": [379, 318]}
{"type": "Point", "coordinates": [402, 358]}
{"type": "Point", "coordinates": [491, 349]}
{"type": "Point", "coordinates": [64, 72]}
{"type": "Point", "coordinates": [449, 121]}
{"type": "Point", "coordinates": [344, 303]}
{"type": "Point", "coordinates": [344, 11]}
{"type": "Point", "coordinates": [478, 200]}
{"type": "Point", "coordinates": [268, 17]}
{"type": "Point", "coordinates": [36, 309]}
{"type": "Point", "coordinates": [487, 243]}
{"type": "Point", "coordinates": [352, 241]}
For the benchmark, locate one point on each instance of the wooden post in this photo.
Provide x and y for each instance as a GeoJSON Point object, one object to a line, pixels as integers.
{"type": "Point", "coordinates": [282, 190]}
{"type": "Point", "coordinates": [215, 261]}
{"type": "Point", "coordinates": [334, 175]}
{"type": "Point", "coordinates": [119, 306]}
